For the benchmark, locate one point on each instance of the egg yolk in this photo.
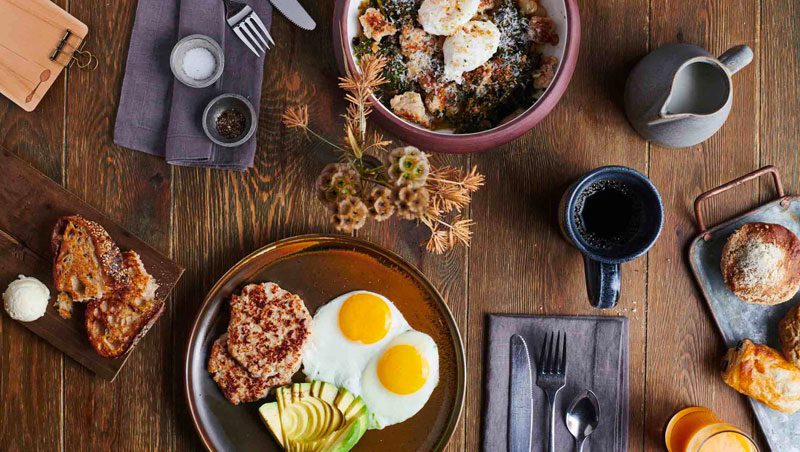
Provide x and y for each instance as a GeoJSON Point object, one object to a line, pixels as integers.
{"type": "Point", "coordinates": [402, 369]}
{"type": "Point", "coordinates": [365, 318]}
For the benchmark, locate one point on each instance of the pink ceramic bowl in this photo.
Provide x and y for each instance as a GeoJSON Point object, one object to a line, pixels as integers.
{"type": "Point", "coordinates": [565, 15]}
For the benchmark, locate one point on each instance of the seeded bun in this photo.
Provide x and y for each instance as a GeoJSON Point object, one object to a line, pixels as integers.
{"type": "Point", "coordinates": [789, 331]}
{"type": "Point", "coordinates": [761, 263]}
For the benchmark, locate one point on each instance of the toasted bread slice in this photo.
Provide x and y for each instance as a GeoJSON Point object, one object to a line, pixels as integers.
{"type": "Point", "coordinates": [268, 329]}
{"type": "Point", "coordinates": [119, 319]}
{"type": "Point", "coordinates": [233, 380]}
{"type": "Point", "coordinates": [87, 262]}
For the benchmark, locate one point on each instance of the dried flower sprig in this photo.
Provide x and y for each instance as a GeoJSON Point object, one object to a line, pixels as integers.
{"type": "Point", "coordinates": [370, 181]}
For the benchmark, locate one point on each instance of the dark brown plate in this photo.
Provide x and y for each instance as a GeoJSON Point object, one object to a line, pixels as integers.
{"type": "Point", "coordinates": [319, 268]}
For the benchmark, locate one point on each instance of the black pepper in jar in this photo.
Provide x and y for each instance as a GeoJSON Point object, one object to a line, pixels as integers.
{"type": "Point", "coordinates": [230, 124]}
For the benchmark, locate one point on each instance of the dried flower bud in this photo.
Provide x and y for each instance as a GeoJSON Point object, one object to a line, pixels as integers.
{"type": "Point", "coordinates": [408, 165]}
{"type": "Point", "coordinates": [349, 214]}
{"type": "Point", "coordinates": [380, 203]}
{"type": "Point", "coordinates": [337, 181]}
{"type": "Point", "coordinates": [411, 202]}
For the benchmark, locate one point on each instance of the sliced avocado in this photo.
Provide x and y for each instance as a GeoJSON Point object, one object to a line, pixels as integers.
{"type": "Point", "coordinates": [280, 396]}
{"type": "Point", "coordinates": [300, 390]}
{"type": "Point", "coordinates": [316, 387]}
{"type": "Point", "coordinates": [324, 391]}
{"type": "Point", "coordinates": [356, 406]}
{"type": "Point", "coordinates": [346, 438]}
{"type": "Point", "coordinates": [343, 400]}
{"type": "Point", "coordinates": [270, 415]}
{"type": "Point", "coordinates": [315, 416]}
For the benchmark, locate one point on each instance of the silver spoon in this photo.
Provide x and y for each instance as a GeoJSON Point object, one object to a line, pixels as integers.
{"type": "Point", "coordinates": [583, 415]}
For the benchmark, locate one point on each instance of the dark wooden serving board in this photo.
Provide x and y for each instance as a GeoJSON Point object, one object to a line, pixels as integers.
{"type": "Point", "coordinates": [30, 204]}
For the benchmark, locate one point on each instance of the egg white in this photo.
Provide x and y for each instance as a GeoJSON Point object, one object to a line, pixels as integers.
{"type": "Point", "coordinates": [388, 408]}
{"type": "Point", "coordinates": [444, 17]}
{"type": "Point", "coordinates": [469, 48]}
{"type": "Point", "coordinates": [332, 357]}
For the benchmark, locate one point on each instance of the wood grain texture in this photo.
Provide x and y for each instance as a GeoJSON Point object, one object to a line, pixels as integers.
{"type": "Point", "coordinates": [30, 30]}
{"type": "Point", "coordinates": [32, 420]}
{"type": "Point", "coordinates": [241, 212]}
{"type": "Point", "coordinates": [519, 262]}
{"type": "Point", "coordinates": [134, 412]}
{"type": "Point", "coordinates": [32, 191]}
{"type": "Point", "coordinates": [779, 135]}
{"type": "Point", "coordinates": [683, 344]}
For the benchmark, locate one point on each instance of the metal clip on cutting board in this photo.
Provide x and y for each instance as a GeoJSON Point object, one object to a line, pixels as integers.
{"type": "Point", "coordinates": [736, 319]}
{"type": "Point", "coordinates": [38, 40]}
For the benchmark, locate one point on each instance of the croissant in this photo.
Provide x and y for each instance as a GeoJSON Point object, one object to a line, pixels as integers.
{"type": "Point", "coordinates": [762, 373]}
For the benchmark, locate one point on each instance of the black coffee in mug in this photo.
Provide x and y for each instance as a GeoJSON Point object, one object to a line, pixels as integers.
{"type": "Point", "coordinates": [608, 214]}
{"type": "Point", "coordinates": [612, 215]}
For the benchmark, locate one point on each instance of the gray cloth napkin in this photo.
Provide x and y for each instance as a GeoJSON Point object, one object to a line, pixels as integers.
{"type": "Point", "coordinates": [159, 115]}
{"type": "Point", "coordinates": [597, 359]}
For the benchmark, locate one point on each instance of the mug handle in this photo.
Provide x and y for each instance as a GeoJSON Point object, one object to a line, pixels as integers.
{"type": "Point", "coordinates": [602, 283]}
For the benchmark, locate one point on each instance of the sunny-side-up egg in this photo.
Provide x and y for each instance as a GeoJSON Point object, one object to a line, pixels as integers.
{"type": "Point", "coordinates": [349, 331]}
{"type": "Point", "coordinates": [398, 382]}
{"type": "Point", "coordinates": [470, 47]}
{"type": "Point", "coordinates": [444, 17]}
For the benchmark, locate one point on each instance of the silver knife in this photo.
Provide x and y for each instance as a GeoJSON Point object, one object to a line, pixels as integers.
{"type": "Point", "coordinates": [294, 11]}
{"type": "Point", "coordinates": [520, 397]}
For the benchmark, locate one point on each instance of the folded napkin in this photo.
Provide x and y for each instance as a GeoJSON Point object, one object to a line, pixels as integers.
{"type": "Point", "coordinates": [158, 114]}
{"type": "Point", "coordinates": [597, 359]}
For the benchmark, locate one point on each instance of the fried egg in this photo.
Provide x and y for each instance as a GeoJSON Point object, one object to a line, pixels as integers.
{"type": "Point", "coordinates": [347, 332]}
{"type": "Point", "coordinates": [444, 17]}
{"type": "Point", "coordinates": [398, 382]}
{"type": "Point", "coordinates": [469, 48]}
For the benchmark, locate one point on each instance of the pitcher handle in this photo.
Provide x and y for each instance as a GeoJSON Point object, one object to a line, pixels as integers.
{"type": "Point", "coordinates": [736, 58]}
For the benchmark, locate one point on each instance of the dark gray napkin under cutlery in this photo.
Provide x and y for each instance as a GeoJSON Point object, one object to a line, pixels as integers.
{"type": "Point", "coordinates": [597, 359]}
{"type": "Point", "coordinates": [159, 115]}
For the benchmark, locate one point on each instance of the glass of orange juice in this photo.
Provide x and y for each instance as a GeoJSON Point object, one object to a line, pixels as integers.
{"type": "Point", "coordinates": [697, 429]}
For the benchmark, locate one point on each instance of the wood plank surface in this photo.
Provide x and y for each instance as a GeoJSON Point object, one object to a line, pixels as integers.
{"type": "Point", "coordinates": [135, 412]}
{"type": "Point", "coordinates": [32, 419]}
{"type": "Point", "coordinates": [518, 263]}
{"type": "Point", "coordinates": [684, 347]}
{"type": "Point", "coordinates": [33, 192]}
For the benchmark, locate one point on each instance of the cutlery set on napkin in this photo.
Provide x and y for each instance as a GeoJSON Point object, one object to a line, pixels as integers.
{"type": "Point", "coordinates": [160, 115]}
{"type": "Point", "coordinates": [583, 360]}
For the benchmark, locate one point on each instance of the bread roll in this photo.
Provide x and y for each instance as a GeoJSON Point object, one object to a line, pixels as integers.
{"type": "Point", "coordinates": [789, 331]}
{"type": "Point", "coordinates": [761, 263]}
{"type": "Point", "coordinates": [760, 372]}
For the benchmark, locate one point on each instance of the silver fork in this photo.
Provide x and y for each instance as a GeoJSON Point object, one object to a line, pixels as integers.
{"type": "Point", "coordinates": [247, 26]}
{"type": "Point", "coordinates": [551, 376]}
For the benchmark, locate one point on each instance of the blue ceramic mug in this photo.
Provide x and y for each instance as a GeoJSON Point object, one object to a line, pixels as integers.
{"type": "Point", "coordinates": [612, 214]}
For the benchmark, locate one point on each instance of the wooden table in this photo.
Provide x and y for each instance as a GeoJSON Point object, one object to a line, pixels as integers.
{"type": "Point", "coordinates": [518, 263]}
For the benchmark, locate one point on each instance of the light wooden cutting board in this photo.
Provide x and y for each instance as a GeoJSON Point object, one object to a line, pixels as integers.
{"type": "Point", "coordinates": [30, 31]}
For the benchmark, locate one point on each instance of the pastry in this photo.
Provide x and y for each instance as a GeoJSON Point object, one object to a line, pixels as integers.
{"type": "Point", "coordinates": [789, 331]}
{"type": "Point", "coordinates": [119, 319]}
{"type": "Point", "coordinates": [761, 263]}
{"type": "Point", "coordinates": [760, 372]}
{"type": "Point", "coordinates": [268, 329]}
{"type": "Point", "coordinates": [87, 263]}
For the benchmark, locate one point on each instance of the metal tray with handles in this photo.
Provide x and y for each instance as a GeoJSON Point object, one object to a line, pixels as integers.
{"type": "Point", "coordinates": [736, 319]}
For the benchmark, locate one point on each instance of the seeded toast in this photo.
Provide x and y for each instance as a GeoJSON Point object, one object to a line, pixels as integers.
{"type": "Point", "coordinates": [87, 263]}
{"type": "Point", "coordinates": [268, 329]}
{"type": "Point", "coordinates": [120, 318]}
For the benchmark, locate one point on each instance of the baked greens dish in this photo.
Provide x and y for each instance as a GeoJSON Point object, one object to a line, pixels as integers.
{"type": "Point", "coordinates": [463, 65]}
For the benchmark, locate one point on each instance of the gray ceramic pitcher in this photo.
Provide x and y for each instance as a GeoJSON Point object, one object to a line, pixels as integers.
{"type": "Point", "coordinates": [679, 94]}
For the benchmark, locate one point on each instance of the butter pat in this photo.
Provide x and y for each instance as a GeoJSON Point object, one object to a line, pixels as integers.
{"type": "Point", "coordinates": [26, 298]}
